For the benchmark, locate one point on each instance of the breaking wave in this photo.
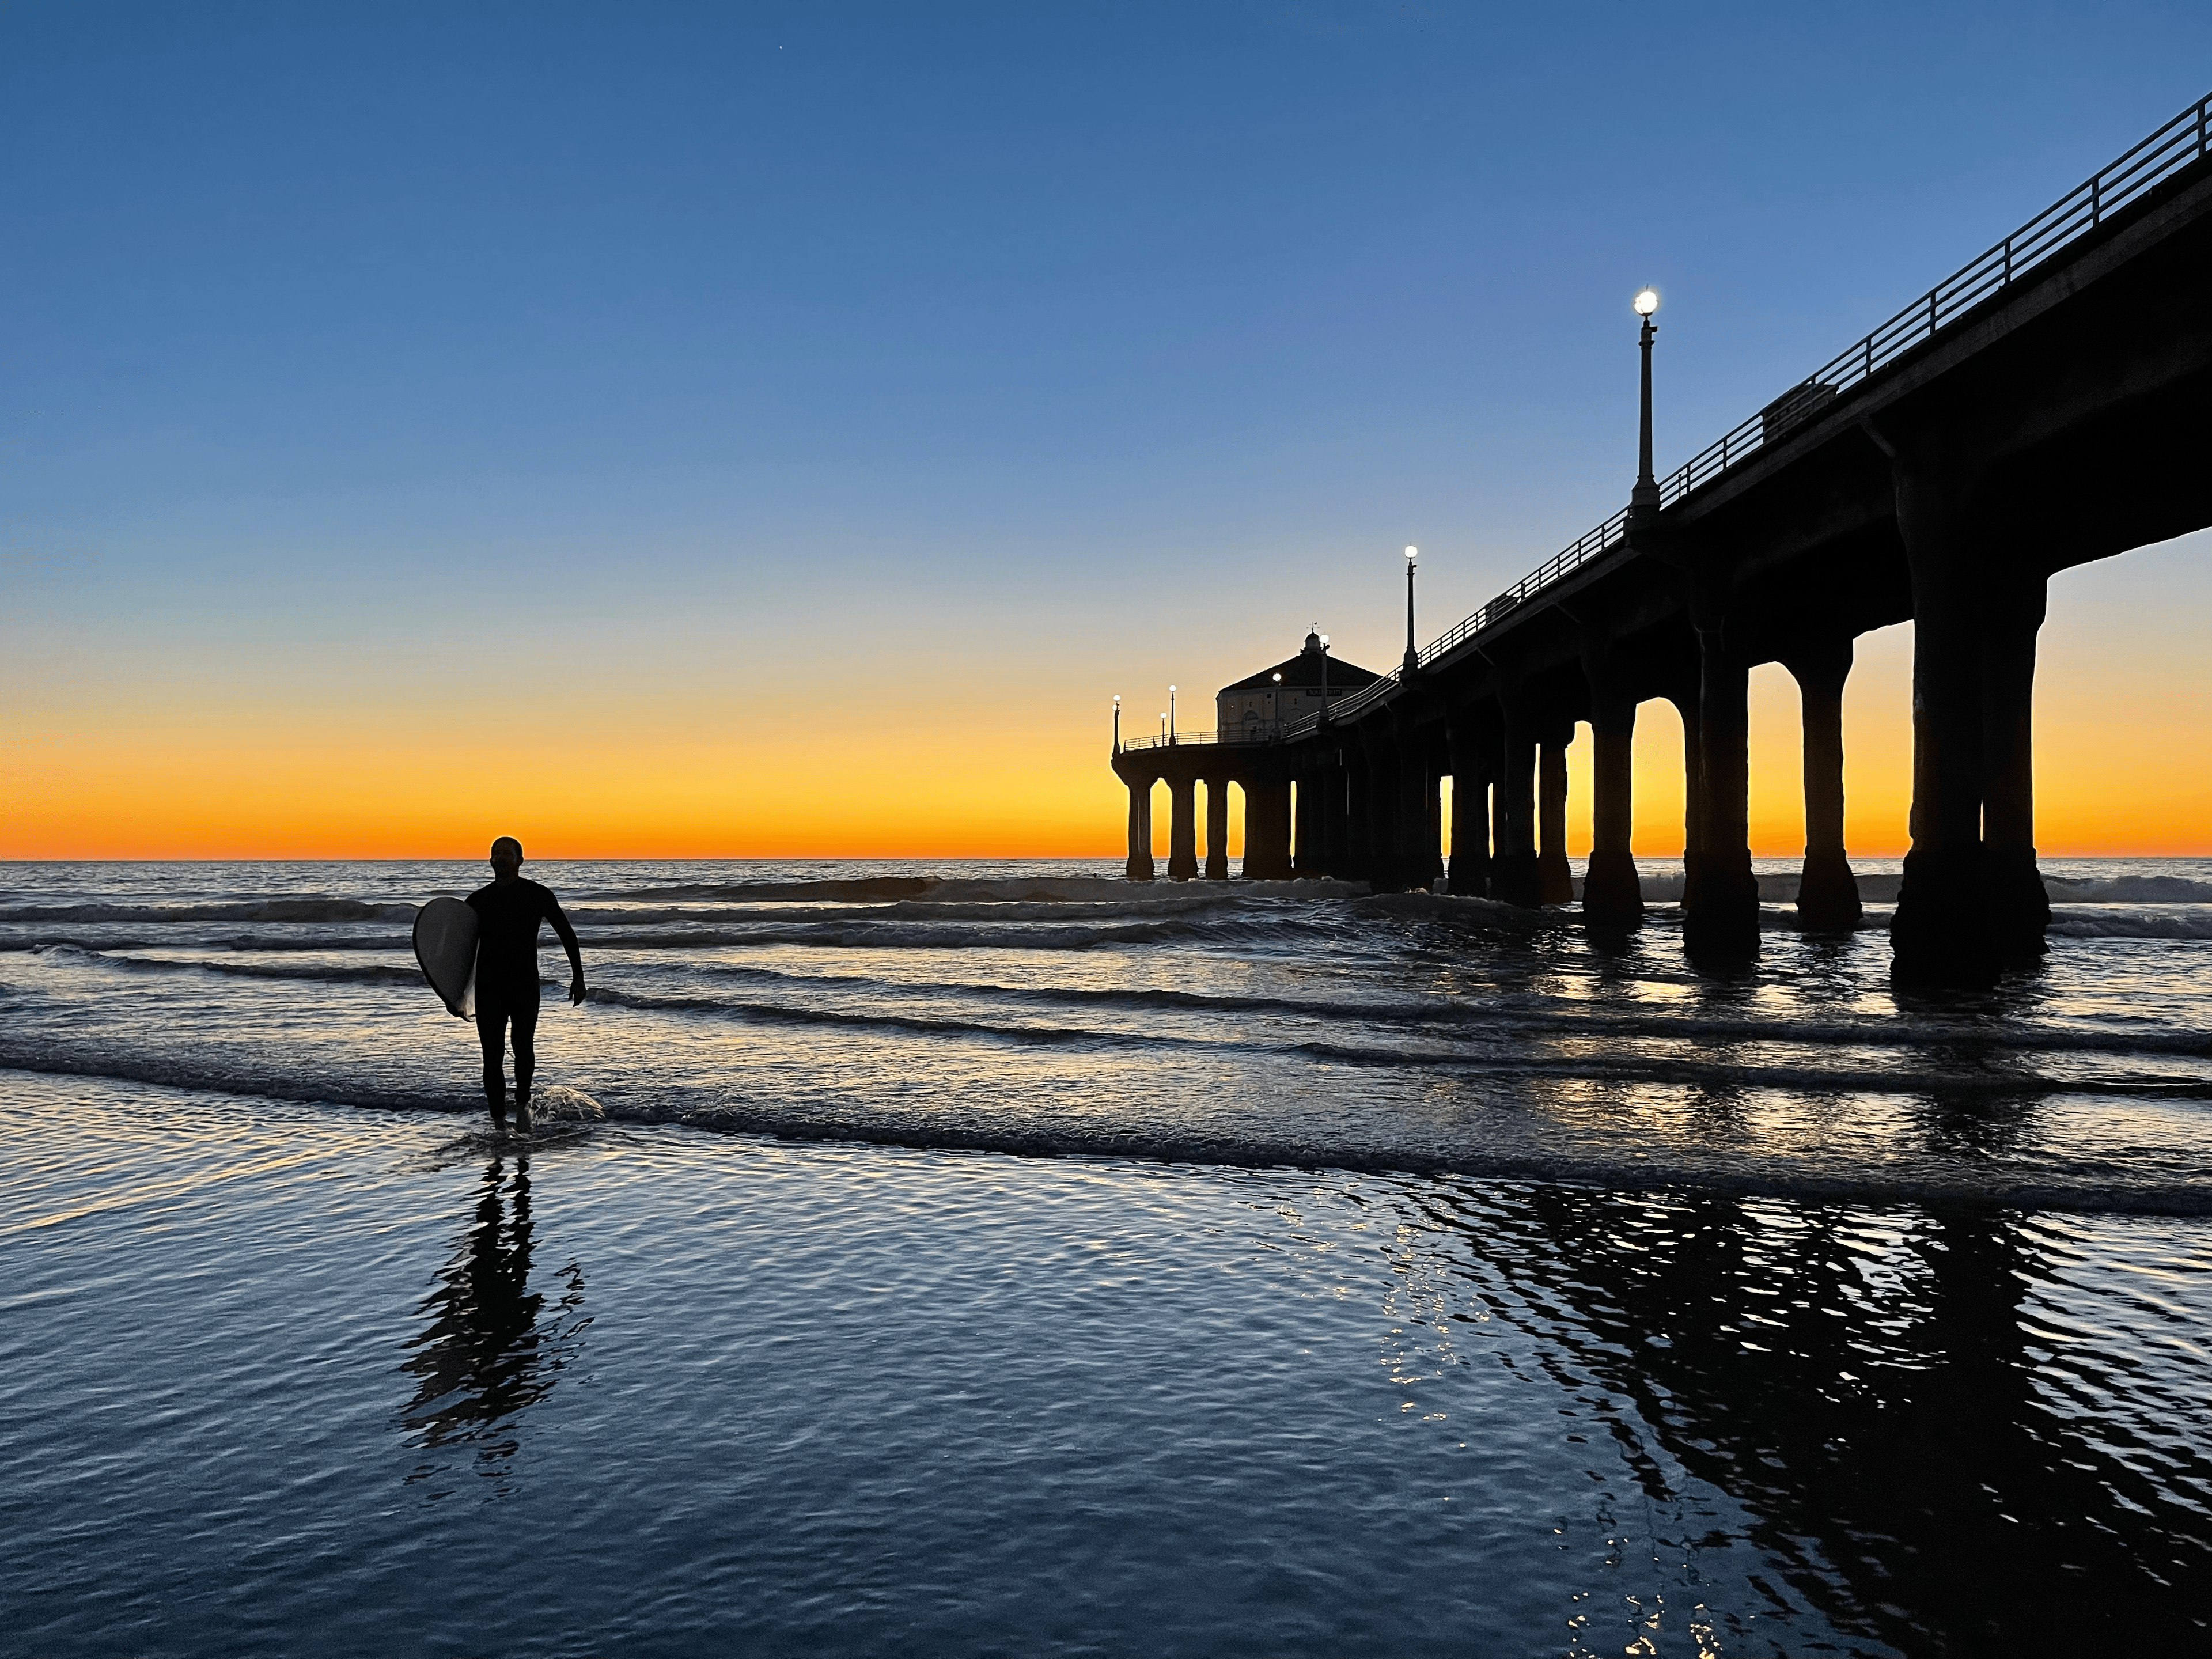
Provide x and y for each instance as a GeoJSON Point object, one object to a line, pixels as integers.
{"type": "Point", "coordinates": [2111, 921]}
{"type": "Point", "coordinates": [2127, 889]}
{"type": "Point", "coordinates": [272, 910]}
{"type": "Point", "coordinates": [1516, 1159]}
{"type": "Point", "coordinates": [344, 973]}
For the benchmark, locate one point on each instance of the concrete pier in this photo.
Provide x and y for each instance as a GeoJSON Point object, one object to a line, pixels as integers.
{"type": "Point", "coordinates": [2031, 416]}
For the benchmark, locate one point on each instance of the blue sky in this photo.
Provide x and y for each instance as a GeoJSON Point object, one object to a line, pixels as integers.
{"type": "Point", "coordinates": [1032, 350]}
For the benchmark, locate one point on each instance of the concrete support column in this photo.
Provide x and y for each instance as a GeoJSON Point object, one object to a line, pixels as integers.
{"type": "Point", "coordinates": [1470, 813]}
{"type": "Point", "coordinates": [1827, 891]}
{"type": "Point", "coordinates": [1939, 936]}
{"type": "Point", "coordinates": [1325, 784]}
{"type": "Point", "coordinates": [2017, 908]}
{"type": "Point", "coordinates": [1513, 864]}
{"type": "Point", "coordinates": [1432, 798]}
{"type": "Point", "coordinates": [1268, 830]}
{"type": "Point", "coordinates": [1350, 853]}
{"type": "Point", "coordinates": [1140, 866]}
{"type": "Point", "coordinates": [1217, 827]}
{"type": "Point", "coordinates": [1720, 910]}
{"type": "Point", "coordinates": [1380, 804]}
{"type": "Point", "coordinates": [1555, 878]}
{"type": "Point", "coordinates": [1183, 828]}
{"type": "Point", "coordinates": [1693, 772]}
{"type": "Point", "coordinates": [1612, 893]}
{"type": "Point", "coordinates": [1414, 815]}
{"type": "Point", "coordinates": [1306, 857]}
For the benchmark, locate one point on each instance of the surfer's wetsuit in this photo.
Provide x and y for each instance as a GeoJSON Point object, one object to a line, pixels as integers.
{"type": "Point", "coordinates": [508, 915]}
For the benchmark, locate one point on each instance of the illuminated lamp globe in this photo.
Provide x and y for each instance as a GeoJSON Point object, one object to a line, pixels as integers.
{"type": "Point", "coordinates": [1646, 301]}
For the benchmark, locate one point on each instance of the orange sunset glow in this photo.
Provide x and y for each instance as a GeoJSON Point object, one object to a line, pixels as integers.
{"type": "Point", "coordinates": [230, 769]}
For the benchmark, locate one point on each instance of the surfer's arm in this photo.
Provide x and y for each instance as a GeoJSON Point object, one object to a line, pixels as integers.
{"type": "Point", "coordinates": [559, 918]}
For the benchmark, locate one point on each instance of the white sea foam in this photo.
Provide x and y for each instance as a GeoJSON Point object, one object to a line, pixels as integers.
{"type": "Point", "coordinates": [2109, 921]}
{"type": "Point", "coordinates": [2127, 889]}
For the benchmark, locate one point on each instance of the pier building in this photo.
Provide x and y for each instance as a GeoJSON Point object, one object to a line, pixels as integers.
{"type": "Point", "coordinates": [1260, 706]}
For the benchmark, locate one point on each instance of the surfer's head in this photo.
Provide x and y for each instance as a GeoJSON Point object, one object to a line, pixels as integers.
{"type": "Point", "coordinates": [506, 856]}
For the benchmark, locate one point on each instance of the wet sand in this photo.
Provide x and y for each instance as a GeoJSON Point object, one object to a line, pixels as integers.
{"type": "Point", "coordinates": [285, 1378]}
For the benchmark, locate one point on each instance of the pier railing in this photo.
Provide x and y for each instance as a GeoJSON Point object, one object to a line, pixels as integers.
{"type": "Point", "coordinates": [2181, 143]}
{"type": "Point", "coordinates": [1262, 734]}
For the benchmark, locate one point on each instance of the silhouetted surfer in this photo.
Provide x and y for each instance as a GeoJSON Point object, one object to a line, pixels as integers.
{"type": "Point", "coordinates": [508, 914]}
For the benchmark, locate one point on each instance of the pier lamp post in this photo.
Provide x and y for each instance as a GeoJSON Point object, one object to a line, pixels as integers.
{"type": "Point", "coordinates": [1646, 493]}
{"type": "Point", "coordinates": [1413, 652]}
{"type": "Point", "coordinates": [1275, 707]}
{"type": "Point", "coordinates": [1163, 727]}
{"type": "Point", "coordinates": [1171, 715]}
{"type": "Point", "coordinates": [1324, 678]}
{"type": "Point", "coordinates": [1118, 723]}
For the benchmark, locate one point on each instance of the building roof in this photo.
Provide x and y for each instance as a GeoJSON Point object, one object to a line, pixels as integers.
{"type": "Point", "coordinates": [1304, 670]}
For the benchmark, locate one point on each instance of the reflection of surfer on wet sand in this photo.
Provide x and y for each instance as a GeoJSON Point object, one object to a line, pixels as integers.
{"type": "Point", "coordinates": [508, 911]}
{"type": "Point", "coordinates": [493, 1345]}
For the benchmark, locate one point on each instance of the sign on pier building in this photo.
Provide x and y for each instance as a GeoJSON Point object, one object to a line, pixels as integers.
{"type": "Point", "coordinates": [1261, 705]}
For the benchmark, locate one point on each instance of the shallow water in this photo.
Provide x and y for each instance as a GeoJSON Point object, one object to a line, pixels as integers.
{"type": "Point", "coordinates": [1046, 1007]}
{"type": "Point", "coordinates": [1609, 1306]}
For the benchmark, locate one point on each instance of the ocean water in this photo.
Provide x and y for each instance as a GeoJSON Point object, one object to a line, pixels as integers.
{"type": "Point", "coordinates": [995, 1258]}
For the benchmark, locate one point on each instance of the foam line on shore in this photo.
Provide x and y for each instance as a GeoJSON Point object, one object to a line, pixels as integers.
{"type": "Point", "coordinates": [1629, 1174]}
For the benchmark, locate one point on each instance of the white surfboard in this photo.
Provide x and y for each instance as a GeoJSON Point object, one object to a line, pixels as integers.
{"type": "Point", "coordinates": [446, 946]}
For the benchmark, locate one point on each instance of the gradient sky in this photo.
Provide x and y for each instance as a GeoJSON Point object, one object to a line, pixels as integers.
{"type": "Point", "coordinates": [719, 430]}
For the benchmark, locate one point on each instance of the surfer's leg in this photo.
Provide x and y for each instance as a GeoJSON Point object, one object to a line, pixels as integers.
{"type": "Point", "coordinates": [525, 1012]}
{"type": "Point", "coordinates": [491, 1036]}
